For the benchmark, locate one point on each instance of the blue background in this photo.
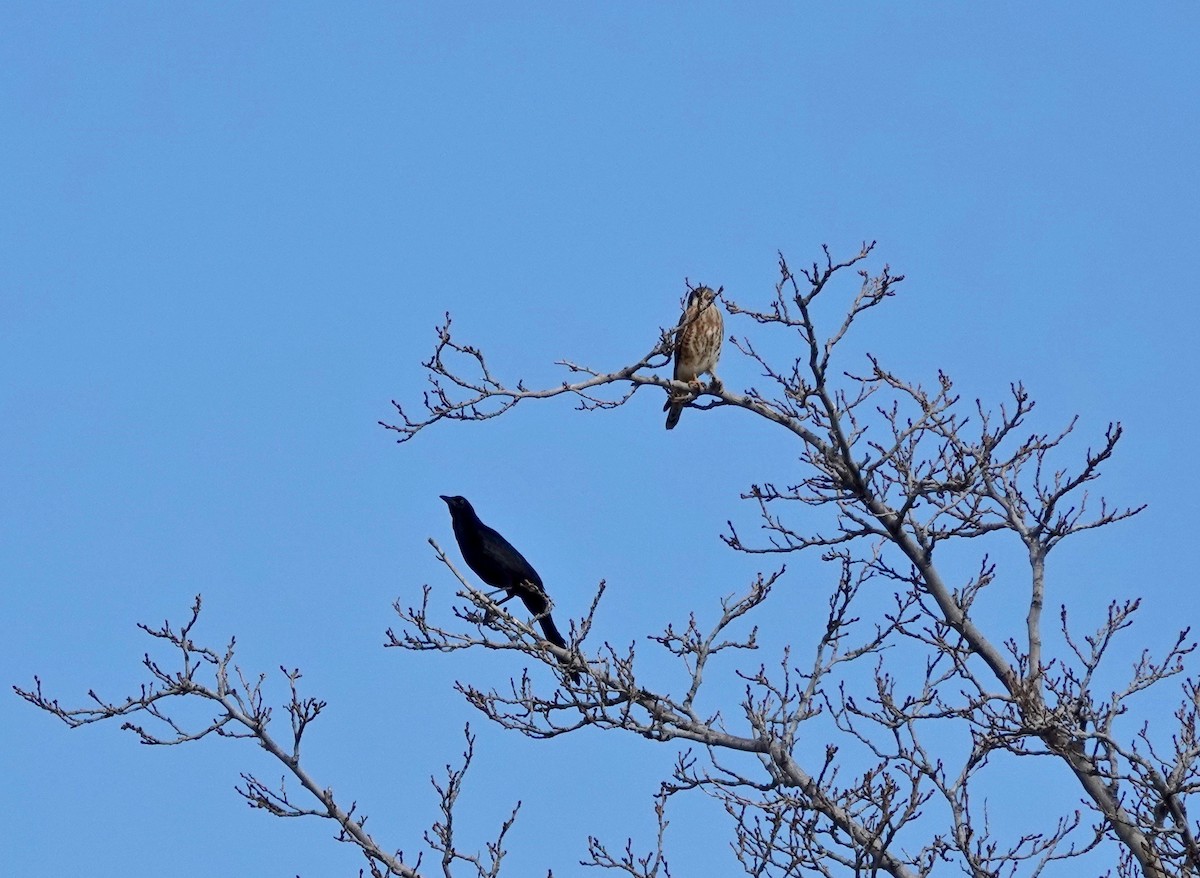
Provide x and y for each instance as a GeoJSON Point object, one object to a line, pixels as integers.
{"type": "Point", "coordinates": [230, 229]}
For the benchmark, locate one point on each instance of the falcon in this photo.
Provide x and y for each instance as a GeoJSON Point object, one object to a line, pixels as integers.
{"type": "Point", "coordinates": [697, 347]}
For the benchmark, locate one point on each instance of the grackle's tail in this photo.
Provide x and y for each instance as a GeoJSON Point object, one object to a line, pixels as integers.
{"type": "Point", "coordinates": [555, 636]}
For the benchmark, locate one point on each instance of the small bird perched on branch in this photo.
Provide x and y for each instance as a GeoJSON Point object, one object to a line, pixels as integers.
{"type": "Point", "coordinates": [498, 564]}
{"type": "Point", "coordinates": [697, 347]}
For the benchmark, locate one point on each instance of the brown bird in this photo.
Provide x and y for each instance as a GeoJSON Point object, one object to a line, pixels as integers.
{"type": "Point", "coordinates": [697, 347]}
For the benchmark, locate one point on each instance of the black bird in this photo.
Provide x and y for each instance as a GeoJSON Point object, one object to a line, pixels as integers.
{"type": "Point", "coordinates": [497, 563]}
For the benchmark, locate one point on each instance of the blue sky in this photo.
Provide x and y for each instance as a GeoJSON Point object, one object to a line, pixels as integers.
{"type": "Point", "coordinates": [229, 231]}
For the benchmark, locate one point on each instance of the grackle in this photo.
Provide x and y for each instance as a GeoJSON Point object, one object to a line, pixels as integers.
{"type": "Point", "coordinates": [497, 563]}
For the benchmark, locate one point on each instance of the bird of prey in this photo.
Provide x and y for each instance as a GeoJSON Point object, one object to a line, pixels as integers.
{"type": "Point", "coordinates": [697, 347]}
{"type": "Point", "coordinates": [497, 563]}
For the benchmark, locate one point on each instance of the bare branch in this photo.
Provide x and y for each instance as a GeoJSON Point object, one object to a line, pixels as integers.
{"type": "Point", "coordinates": [241, 711]}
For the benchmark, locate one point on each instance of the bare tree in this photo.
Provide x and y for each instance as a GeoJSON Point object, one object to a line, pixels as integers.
{"type": "Point", "coordinates": [903, 786]}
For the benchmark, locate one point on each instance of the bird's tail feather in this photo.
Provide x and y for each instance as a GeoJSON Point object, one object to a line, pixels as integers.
{"type": "Point", "coordinates": [552, 633]}
{"type": "Point", "coordinates": [673, 411]}
{"type": "Point", "coordinates": [555, 636]}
